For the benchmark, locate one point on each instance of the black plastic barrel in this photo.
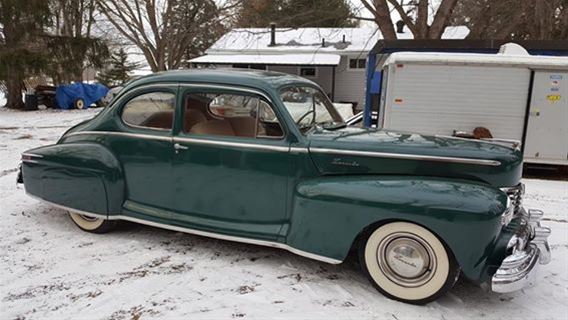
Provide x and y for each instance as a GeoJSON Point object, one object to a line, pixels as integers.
{"type": "Point", "coordinates": [30, 102]}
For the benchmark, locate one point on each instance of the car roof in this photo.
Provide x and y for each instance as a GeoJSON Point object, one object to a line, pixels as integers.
{"type": "Point", "coordinates": [241, 77]}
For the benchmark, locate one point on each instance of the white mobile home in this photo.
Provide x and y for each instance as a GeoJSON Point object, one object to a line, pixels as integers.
{"type": "Point", "coordinates": [516, 97]}
{"type": "Point", "coordinates": [335, 58]}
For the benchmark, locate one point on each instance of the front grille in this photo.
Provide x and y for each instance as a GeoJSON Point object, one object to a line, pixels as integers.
{"type": "Point", "coordinates": [515, 194]}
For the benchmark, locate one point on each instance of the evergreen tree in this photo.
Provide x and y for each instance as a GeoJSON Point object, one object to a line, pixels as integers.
{"type": "Point", "coordinates": [22, 46]}
{"type": "Point", "coordinates": [30, 46]}
{"type": "Point", "coordinates": [119, 69]}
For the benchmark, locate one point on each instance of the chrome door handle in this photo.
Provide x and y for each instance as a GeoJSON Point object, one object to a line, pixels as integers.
{"type": "Point", "coordinates": [179, 147]}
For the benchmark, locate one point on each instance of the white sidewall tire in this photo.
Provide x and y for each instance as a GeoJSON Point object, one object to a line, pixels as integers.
{"type": "Point", "coordinates": [86, 224]}
{"type": "Point", "coordinates": [429, 289]}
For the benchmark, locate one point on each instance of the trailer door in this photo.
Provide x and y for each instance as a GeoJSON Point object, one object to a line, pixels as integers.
{"type": "Point", "coordinates": [438, 99]}
{"type": "Point", "coordinates": [547, 129]}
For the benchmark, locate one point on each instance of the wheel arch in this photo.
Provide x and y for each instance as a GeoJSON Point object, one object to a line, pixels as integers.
{"type": "Point", "coordinates": [362, 236]}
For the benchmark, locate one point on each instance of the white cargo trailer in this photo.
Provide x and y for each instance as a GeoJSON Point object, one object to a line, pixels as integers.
{"type": "Point", "coordinates": [517, 97]}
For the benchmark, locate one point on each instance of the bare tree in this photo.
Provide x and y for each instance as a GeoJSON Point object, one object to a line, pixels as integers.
{"type": "Point", "coordinates": [415, 14]}
{"type": "Point", "coordinates": [514, 19]}
{"type": "Point", "coordinates": [166, 31]}
{"type": "Point", "coordinates": [74, 18]}
{"type": "Point", "coordinates": [295, 13]}
{"type": "Point", "coordinates": [73, 46]}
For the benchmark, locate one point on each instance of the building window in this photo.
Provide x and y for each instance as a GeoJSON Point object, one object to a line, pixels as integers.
{"type": "Point", "coordinates": [357, 63]}
{"type": "Point", "coordinates": [249, 66]}
{"type": "Point", "coordinates": [309, 72]}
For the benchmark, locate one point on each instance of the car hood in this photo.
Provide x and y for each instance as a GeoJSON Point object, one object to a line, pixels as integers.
{"type": "Point", "coordinates": [354, 150]}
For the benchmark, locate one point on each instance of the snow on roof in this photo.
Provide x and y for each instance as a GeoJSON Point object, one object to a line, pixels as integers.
{"type": "Point", "coordinates": [309, 40]}
{"type": "Point", "coordinates": [319, 59]}
{"type": "Point", "coordinates": [296, 40]}
{"type": "Point", "coordinates": [527, 61]}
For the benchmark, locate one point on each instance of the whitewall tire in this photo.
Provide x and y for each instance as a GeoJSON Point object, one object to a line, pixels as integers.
{"type": "Point", "coordinates": [92, 224]}
{"type": "Point", "coordinates": [407, 262]}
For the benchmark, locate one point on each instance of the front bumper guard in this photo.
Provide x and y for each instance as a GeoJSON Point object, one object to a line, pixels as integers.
{"type": "Point", "coordinates": [529, 248]}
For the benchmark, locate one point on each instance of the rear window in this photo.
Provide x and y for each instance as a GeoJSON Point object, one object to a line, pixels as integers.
{"type": "Point", "coordinates": [154, 110]}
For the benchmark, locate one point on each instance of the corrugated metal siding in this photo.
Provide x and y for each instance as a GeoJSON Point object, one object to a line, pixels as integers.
{"type": "Point", "coordinates": [349, 84]}
{"type": "Point", "coordinates": [441, 99]}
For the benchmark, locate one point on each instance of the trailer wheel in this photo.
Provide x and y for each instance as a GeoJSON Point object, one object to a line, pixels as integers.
{"type": "Point", "coordinates": [79, 104]}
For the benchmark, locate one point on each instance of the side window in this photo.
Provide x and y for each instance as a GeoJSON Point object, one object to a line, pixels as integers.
{"type": "Point", "coordinates": [229, 114]}
{"type": "Point", "coordinates": [153, 110]}
{"type": "Point", "coordinates": [357, 64]}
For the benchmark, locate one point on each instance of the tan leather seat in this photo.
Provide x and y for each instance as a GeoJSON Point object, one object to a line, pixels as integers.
{"type": "Point", "coordinates": [162, 120]}
{"type": "Point", "coordinates": [193, 117]}
{"type": "Point", "coordinates": [214, 127]}
{"type": "Point", "coordinates": [243, 126]}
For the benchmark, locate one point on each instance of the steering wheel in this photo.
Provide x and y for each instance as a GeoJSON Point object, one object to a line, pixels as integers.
{"type": "Point", "coordinates": [304, 116]}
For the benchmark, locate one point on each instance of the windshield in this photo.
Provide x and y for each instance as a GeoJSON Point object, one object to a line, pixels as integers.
{"type": "Point", "coordinates": [309, 107]}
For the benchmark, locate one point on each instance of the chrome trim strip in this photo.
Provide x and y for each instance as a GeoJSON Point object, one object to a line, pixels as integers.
{"type": "Point", "coordinates": [232, 144]}
{"type": "Point", "coordinates": [33, 155]}
{"type": "Point", "coordinates": [126, 134]}
{"type": "Point", "coordinates": [188, 140]}
{"type": "Point", "coordinates": [402, 156]}
{"type": "Point", "coordinates": [354, 119]}
{"type": "Point", "coordinates": [30, 161]}
{"type": "Point", "coordinates": [299, 150]}
{"type": "Point", "coordinates": [198, 232]}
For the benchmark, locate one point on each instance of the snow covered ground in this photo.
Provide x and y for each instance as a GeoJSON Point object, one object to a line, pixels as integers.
{"type": "Point", "coordinates": [49, 269]}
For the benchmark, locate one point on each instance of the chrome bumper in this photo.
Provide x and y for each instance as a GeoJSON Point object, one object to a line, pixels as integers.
{"type": "Point", "coordinates": [529, 248]}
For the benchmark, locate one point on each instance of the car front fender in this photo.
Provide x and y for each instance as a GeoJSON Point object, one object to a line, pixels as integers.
{"type": "Point", "coordinates": [329, 213]}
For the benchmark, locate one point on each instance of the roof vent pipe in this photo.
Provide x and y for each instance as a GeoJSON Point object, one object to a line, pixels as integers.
{"type": "Point", "coordinates": [400, 26]}
{"type": "Point", "coordinates": [272, 34]}
{"type": "Point", "coordinates": [343, 40]}
{"type": "Point", "coordinates": [323, 42]}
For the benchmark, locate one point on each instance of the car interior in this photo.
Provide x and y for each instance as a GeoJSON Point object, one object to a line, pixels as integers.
{"type": "Point", "coordinates": [203, 115]}
{"type": "Point", "coordinates": [211, 115]}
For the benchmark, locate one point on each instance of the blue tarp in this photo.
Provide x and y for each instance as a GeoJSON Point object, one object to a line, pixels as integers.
{"type": "Point", "coordinates": [66, 95]}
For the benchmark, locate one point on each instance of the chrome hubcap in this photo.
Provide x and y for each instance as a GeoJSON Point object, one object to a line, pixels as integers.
{"type": "Point", "coordinates": [87, 218]}
{"type": "Point", "coordinates": [406, 259]}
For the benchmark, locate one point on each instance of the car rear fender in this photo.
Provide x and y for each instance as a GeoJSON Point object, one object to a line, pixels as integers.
{"type": "Point", "coordinates": [82, 176]}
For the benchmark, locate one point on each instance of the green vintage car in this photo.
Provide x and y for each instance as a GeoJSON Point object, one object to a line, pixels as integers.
{"type": "Point", "coordinates": [264, 158]}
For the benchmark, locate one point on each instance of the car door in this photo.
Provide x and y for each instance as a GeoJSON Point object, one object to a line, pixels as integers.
{"type": "Point", "coordinates": [232, 164]}
{"type": "Point", "coordinates": [143, 144]}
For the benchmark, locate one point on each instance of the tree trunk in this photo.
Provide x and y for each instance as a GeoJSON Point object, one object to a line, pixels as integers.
{"type": "Point", "coordinates": [383, 20]}
{"type": "Point", "coordinates": [14, 94]}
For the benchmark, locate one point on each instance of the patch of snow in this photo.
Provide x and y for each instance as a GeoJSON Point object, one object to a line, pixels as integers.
{"type": "Point", "coordinates": [319, 59]}
{"type": "Point", "coordinates": [309, 40]}
{"type": "Point", "coordinates": [2, 99]}
{"type": "Point", "coordinates": [300, 40]}
{"type": "Point", "coordinates": [457, 33]}
{"type": "Point", "coordinates": [548, 62]}
{"type": "Point", "coordinates": [49, 269]}
{"type": "Point", "coordinates": [512, 48]}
